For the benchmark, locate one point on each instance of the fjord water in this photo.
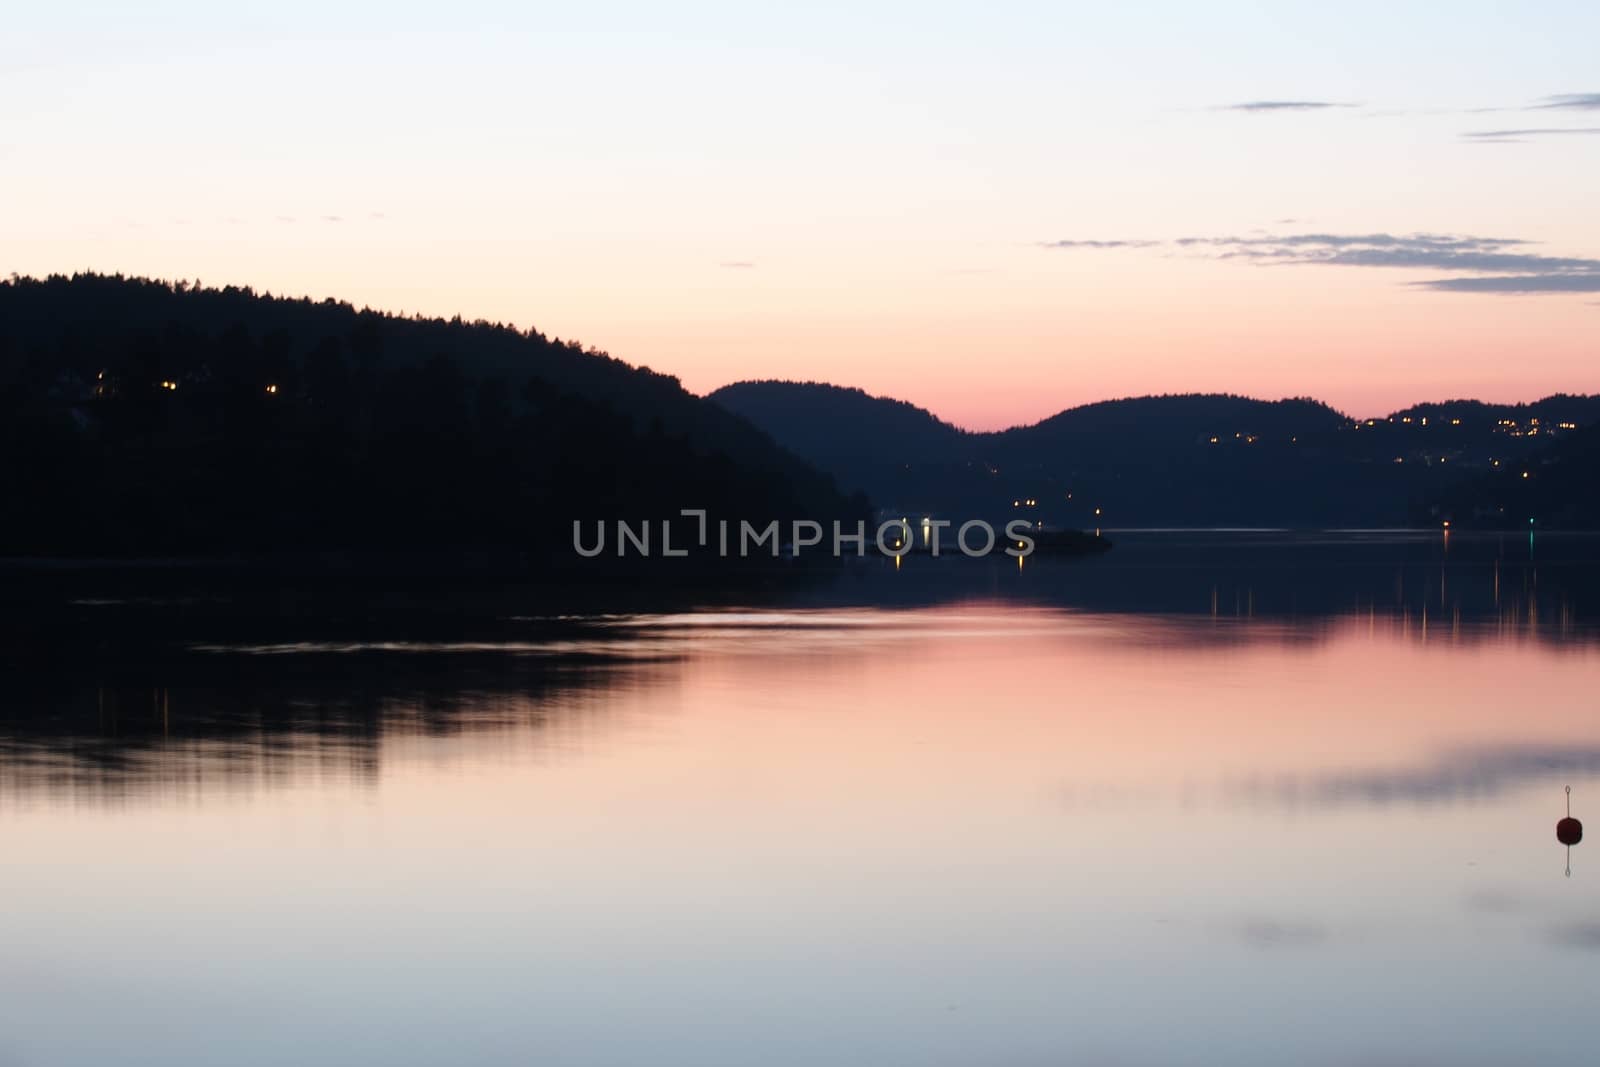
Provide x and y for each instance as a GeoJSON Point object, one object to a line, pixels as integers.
{"type": "Point", "coordinates": [1225, 801]}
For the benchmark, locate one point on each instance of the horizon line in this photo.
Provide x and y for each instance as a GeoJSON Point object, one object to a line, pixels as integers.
{"type": "Point", "coordinates": [180, 285]}
{"type": "Point", "coordinates": [1148, 396]}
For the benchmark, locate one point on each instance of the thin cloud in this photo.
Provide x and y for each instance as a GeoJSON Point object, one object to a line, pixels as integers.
{"type": "Point", "coordinates": [1284, 105]}
{"type": "Point", "coordinates": [1098, 244]}
{"type": "Point", "coordinates": [1568, 102]}
{"type": "Point", "coordinates": [1520, 283]}
{"type": "Point", "coordinates": [737, 264]}
{"type": "Point", "coordinates": [1518, 136]}
{"type": "Point", "coordinates": [1481, 264]}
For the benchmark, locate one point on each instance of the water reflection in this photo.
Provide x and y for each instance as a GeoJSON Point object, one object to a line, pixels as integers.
{"type": "Point", "coordinates": [114, 689]}
{"type": "Point", "coordinates": [1427, 584]}
{"type": "Point", "coordinates": [1457, 777]}
{"type": "Point", "coordinates": [978, 824]}
{"type": "Point", "coordinates": [226, 720]}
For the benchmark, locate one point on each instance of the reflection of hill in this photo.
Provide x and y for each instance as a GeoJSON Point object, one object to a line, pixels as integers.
{"type": "Point", "coordinates": [204, 719]}
{"type": "Point", "coordinates": [1546, 588]}
{"type": "Point", "coordinates": [119, 683]}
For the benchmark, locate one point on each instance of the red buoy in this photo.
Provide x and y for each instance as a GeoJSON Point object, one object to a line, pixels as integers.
{"type": "Point", "coordinates": [1569, 831]}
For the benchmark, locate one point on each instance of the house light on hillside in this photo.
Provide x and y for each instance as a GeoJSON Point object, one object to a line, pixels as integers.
{"type": "Point", "coordinates": [272, 389]}
{"type": "Point", "coordinates": [1455, 422]}
{"type": "Point", "coordinates": [169, 385]}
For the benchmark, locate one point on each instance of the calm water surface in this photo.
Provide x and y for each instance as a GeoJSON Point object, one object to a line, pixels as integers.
{"type": "Point", "coordinates": [988, 829]}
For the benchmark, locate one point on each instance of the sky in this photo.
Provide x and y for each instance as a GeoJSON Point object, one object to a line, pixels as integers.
{"type": "Point", "coordinates": [995, 211]}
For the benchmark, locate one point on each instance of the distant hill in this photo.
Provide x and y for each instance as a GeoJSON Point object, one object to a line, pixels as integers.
{"type": "Point", "coordinates": [141, 417]}
{"type": "Point", "coordinates": [1189, 460]}
{"type": "Point", "coordinates": [887, 449]}
{"type": "Point", "coordinates": [855, 422]}
{"type": "Point", "coordinates": [1557, 486]}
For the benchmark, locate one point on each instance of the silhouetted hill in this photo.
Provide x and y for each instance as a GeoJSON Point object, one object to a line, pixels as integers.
{"type": "Point", "coordinates": [1190, 460]}
{"type": "Point", "coordinates": [864, 441]}
{"type": "Point", "coordinates": [138, 416]}
{"type": "Point", "coordinates": [855, 419]}
{"type": "Point", "coordinates": [1557, 486]}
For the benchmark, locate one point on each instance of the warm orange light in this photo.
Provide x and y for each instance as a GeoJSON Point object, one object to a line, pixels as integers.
{"type": "Point", "coordinates": [272, 388]}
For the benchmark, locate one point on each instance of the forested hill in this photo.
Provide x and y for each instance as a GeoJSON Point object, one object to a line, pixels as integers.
{"type": "Point", "coordinates": [1182, 460]}
{"type": "Point", "coordinates": [140, 417]}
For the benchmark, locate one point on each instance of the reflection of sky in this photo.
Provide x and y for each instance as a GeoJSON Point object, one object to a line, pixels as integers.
{"type": "Point", "coordinates": [986, 834]}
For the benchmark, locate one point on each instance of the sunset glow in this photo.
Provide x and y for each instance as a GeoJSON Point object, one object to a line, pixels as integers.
{"type": "Point", "coordinates": [727, 193]}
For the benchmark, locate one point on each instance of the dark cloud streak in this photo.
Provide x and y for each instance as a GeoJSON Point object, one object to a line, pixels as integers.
{"type": "Point", "coordinates": [1492, 264]}
{"type": "Point", "coordinates": [1568, 102]}
{"type": "Point", "coordinates": [1098, 244]}
{"type": "Point", "coordinates": [1517, 283]}
{"type": "Point", "coordinates": [1283, 105]}
{"type": "Point", "coordinates": [1518, 136]}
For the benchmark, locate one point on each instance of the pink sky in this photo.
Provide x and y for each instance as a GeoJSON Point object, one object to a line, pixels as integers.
{"type": "Point", "coordinates": [857, 197]}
